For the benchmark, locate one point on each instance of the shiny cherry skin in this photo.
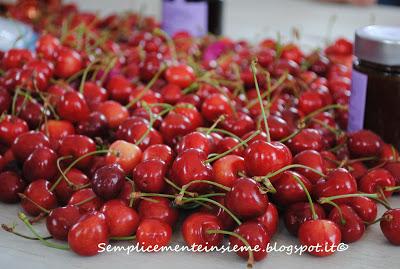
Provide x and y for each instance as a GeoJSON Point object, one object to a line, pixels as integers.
{"type": "Point", "coordinates": [364, 143]}
{"type": "Point", "coordinates": [365, 208]}
{"type": "Point", "coordinates": [68, 62]}
{"type": "Point", "coordinates": [10, 185]}
{"type": "Point", "coordinates": [95, 125]}
{"type": "Point", "coordinates": [38, 192]}
{"type": "Point", "coordinates": [56, 130]}
{"type": "Point", "coordinates": [159, 152]}
{"type": "Point", "coordinates": [351, 226]}
{"type": "Point", "coordinates": [27, 142]}
{"type": "Point", "coordinates": [174, 126]}
{"type": "Point", "coordinates": [377, 179]}
{"type": "Point", "coordinates": [190, 166]}
{"type": "Point", "coordinates": [323, 232]}
{"type": "Point", "coordinates": [152, 233]}
{"type": "Point", "coordinates": [10, 128]}
{"type": "Point", "coordinates": [149, 176]}
{"type": "Point", "coordinates": [298, 213]}
{"type": "Point", "coordinates": [227, 169]}
{"type": "Point", "coordinates": [216, 105]}
{"type": "Point", "coordinates": [227, 143]}
{"type": "Point", "coordinates": [270, 219]}
{"type": "Point", "coordinates": [313, 159]}
{"type": "Point", "coordinates": [60, 220]}
{"type": "Point", "coordinates": [394, 169]}
{"type": "Point", "coordinates": [73, 107]}
{"type": "Point", "coordinates": [195, 140]}
{"type": "Point", "coordinates": [64, 191]}
{"type": "Point", "coordinates": [262, 157]}
{"type": "Point", "coordinates": [41, 164]}
{"type": "Point", "coordinates": [108, 181]}
{"type": "Point", "coordinates": [114, 112]}
{"type": "Point", "coordinates": [245, 199]}
{"type": "Point", "coordinates": [77, 146]}
{"type": "Point", "coordinates": [307, 139]}
{"type": "Point", "coordinates": [357, 169]}
{"type": "Point", "coordinates": [225, 219]}
{"type": "Point", "coordinates": [181, 75]}
{"type": "Point", "coordinates": [85, 236]}
{"type": "Point", "coordinates": [255, 234]}
{"type": "Point", "coordinates": [278, 127]}
{"type": "Point", "coordinates": [125, 154]}
{"type": "Point", "coordinates": [121, 219]}
{"type": "Point", "coordinates": [339, 181]}
{"type": "Point", "coordinates": [390, 226]}
{"type": "Point", "coordinates": [47, 45]}
{"type": "Point", "coordinates": [195, 227]}
{"type": "Point", "coordinates": [162, 210]}
{"type": "Point", "coordinates": [288, 190]}
{"type": "Point", "coordinates": [86, 200]}
{"type": "Point", "coordinates": [119, 88]}
{"type": "Point", "coordinates": [238, 124]}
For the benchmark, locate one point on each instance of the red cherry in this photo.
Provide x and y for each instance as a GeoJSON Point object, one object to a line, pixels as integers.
{"type": "Point", "coordinates": [16, 58]}
{"type": "Point", "coordinates": [94, 126]}
{"type": "Point", "coordinates": [181, 75]}
{"type": "Point", "coordinates": [159, 152]}
{"type": "Point", "coordinates": [121, 220]}
{"type": "Point", "coordinates": [41, 164]}
{"type": "Point", "coordinates": [38, 193]}
{"type": "Point", "coordinates": [73, 107]}
{"type": "Point", "coordinates": [10, 185]}
{"type": "Point", "coordinates": [278, 127]}
{"type": "Point", "coordinates": [323, 232]}
{"type": "Point", "coordinates": [27, 142]}
{"type": "Point", "coordinates": [377, 179]}
{"type": "Point", "coordinates": [351, 225]}
{"type": "Point", "coordinates": [270, 219]}
{"type": "Point", "coordinates": [256, 235]}
{"type": "Point", "coordinates": [47, 45]}
{"type": "Point", "coordinates": [94, 94]}
{"type": "Point", "coordinates": [226, 144]}
{"type": "Point", "coordinates": [119, 88]}
{"type": "Point", "coordinates": [64, 190]}
{"type": "Point", "coordinates": [238, 124]}
{"type": "Point", "coordinates": [195, 227]}
{"type": "Point", "coordinates": [149, 176]}
{"type": "Point", "coordinates": [262, 157]}
{"type": "Point", "coordinates": [364, 143]}
{"type": "Point", "coordinates": [190, 166]}
{"type": "Point", "coordinates": [171, 93]}
{"type": "Point", "coordinates": [358, 169]}
{"type": "Point", "coordinates": [195, 140]}
{"type": "Point", "coordinates": [10, 128]}
{"type": "Point", "coordinates": [305, 140]}
{"type": "Point", "coordinates": [394, 169]}
{"type": "Point", "coordinates": [60, 220]}
{"type": "Point", "coordinates": [57, 129]}
{"type": "Point", "coordinates": [339, 181]}
{"type": "Point", "coordinates": [175, 126]}
{"type": "Point", "coordinates": [310, 101]}
{"type": "Point", "coordinates": [114, 112]}
{"type": "Point", "coordinates": [390, 226]}
{"type": "Point", "coordinates": [226, 220]}
{"type": "Point", "coordinates": [86, 200]}
{"type": "Point", "coordinates": [162, 210]}
{"type": "Point", "coordinates": [227, 169]}
{"type": "Point", "coordinates": [68, 62]}
{"type": "Point", "coordinates": [88, 233]}
{"type": "Point", "coordinates": [298, 213]}
{"type": "Point", "coordinates": [288, 190]}
{"type": "Point", "coordinates": [365, 208]}
{"type": "Point", "coordinates": [108, 181]}
{"type": "Point", "coordinates": [152, 233]}
{"type": "Point", "coordinates": [245, 199]}
{"type": "Point", "coordinates": [77, 146]}
{"type": "Point", "coordinates": [214, 106]}
{"type": "Point", "coordinates": [313, 159]}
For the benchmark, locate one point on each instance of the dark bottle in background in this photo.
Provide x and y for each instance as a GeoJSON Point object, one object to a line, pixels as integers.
{"type": "Point", "coordinates": [197, 17]}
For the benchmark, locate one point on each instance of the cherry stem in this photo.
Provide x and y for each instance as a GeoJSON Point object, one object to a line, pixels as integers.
{"type": "Point", "coordinates": [254, 71]}
{"type": "Point", "coordinates": [222, 131]}
{"type": "Point", "coordinates": [210, 160]}
{"type": "Point", "coordinates": [393, 189]}
{"type": "Point", "coordinates": [250, 261]}
{"type": "Point", "coordinates": [85, 200]}
{"type": "Point", "coordinates": [101, 151]}
{"type": "Point", "coordinates": [84, 76]}
{"type": "Point", "coordinates": [186, 186]}
{"type": "Point", "coordinates": [322, 109]}
{"type": "Point", "coordinates": [342, 220]}
{"type": "Point", "coordinates": [25, 220]}
{"type": "Point", "coordinates": [214, 125]}
{"type": "Point", "coordinates": [12, 230]}
{"type": "Point", "coordinates": [63, 175]}
{"type": "Point", "coordinates": [123, 238]}
{"type": "Point", "coordinates": [147, 87]}
{"type": "Point", "coordinates": [23, 196]}
{"type": "Point", "coordinates": [108, 69]}
{"type": "Point", "coordinates": [152, 120]}
{"type": "Point", "coordinates": [310, 201]}
{"type": "Point", "coordinates": [374, 196]}
{"type": "Point", "coordinates": [283, 140]}
{"type": "Point", "coordinates": [295, 166]}
{"type": "Point", "coordinates": [192, 194]}
{"type": "Point", "coordinates": [364, 159]}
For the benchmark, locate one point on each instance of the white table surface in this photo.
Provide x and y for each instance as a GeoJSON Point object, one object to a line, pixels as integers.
{"type": "Point", "coordinates": [253, 20]}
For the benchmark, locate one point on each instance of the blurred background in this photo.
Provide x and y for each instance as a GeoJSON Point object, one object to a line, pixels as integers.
{"type": "Point", "coordinates": [256, 19]}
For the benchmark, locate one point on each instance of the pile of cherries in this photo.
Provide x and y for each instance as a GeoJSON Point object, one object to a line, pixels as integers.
{"type": "Point", "coordinates": [112, 130]}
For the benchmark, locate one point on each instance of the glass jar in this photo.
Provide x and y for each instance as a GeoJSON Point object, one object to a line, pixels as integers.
{"type": "Point", "coordinates": [197, 17]}
{"type": "Point", "coordinates": [375, 91]}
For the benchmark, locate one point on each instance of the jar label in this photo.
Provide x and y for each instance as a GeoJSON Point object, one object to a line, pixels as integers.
{"type": "Point", "coordinates": [358, 97]}
{"type": "Point", "coordinates": [180, 15]}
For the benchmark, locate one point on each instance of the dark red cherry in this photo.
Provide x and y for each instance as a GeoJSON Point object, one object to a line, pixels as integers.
{"type": "Point", "coordinates": [365, 208]}
{"type": "Point", "coordinates": [27, 142]}
{"type": "Point", "coordinates": [238, 124]}
{"type": "Point", "coordinates": [390, 226]}
{"type": "Point", "coordinates": [73, 107]}
{"type": "Point", "coordinates": [307, 139]}
{"type": "Point", "coordinates": [298, 213]}
{"type": "Point", "coordinates": [313, 159]}
{"type": "Point", "coordinates": [10, 185]}
{"type": "Point", "coordinates": [38, 193]}
{"type": "Point", "coordinates": [60, 220]}
{"type": "Point", "coordinates": [86, 200]}
{"type": "Point", "coordinates": [149, 176]}
{"type": "Point", "coordinates": [364, 143]}
{"type": "Point", "coordinates": [41, 164]}
{"type": "Point", "coordinates": [289, 190]}
{"type": "Point", "coordinates": [270, 219]}
{"type": "Point", "coordinates": [108, 181]}
{"type": "Point", "coordinates": [10, 128]}
{"type": "Point", "coordinates": [376, 180]}
{"type": "Point", "coordinates": [77, 146]}
{"type": "Point", "coordinates": [94, 126]}
{"type": "Point", "coordinates": [350, 224]}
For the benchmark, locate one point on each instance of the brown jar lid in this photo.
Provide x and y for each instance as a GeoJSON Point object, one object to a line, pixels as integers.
{"type": "Point", "coordinates": [378, 44]}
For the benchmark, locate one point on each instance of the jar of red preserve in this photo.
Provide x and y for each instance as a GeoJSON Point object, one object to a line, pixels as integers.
{"type": "Point", "coordinates": [375, 93]}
